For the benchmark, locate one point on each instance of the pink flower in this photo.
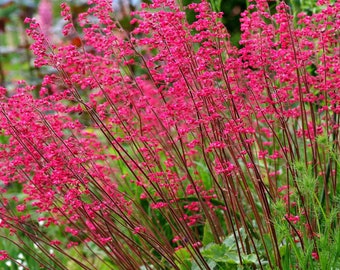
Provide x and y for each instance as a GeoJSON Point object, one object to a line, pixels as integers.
{"type": "Point", "coordinates": [21, 207]}
{"type": "Point", "coordinates": [105, 240]}
{"type": "Point", "coordinates": [282, 188]}
{"type": "Point", "coordinates": [293, 219]}
{"type": "Point", "coordinates": [55, 242]}
{"type": "Point", "coordinates": [72, 244]}
{"type": "Point", "coordinates": [159, 205]}
{"type": "Point", "coordinates": [315, 255]}
{"type": "Point", "coordinates": [139, 229]}
{"type": "Point", "coordinates": [3, 255]}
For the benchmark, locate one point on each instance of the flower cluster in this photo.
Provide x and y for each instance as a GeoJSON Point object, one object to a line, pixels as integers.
{"type": "Point", "coordinates": [171, 123]}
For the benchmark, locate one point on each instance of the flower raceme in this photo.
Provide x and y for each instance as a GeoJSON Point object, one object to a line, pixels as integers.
{"type": "Point", "coordinates": [168, 138]}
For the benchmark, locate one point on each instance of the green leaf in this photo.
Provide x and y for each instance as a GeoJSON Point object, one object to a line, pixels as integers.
{"type": "Point", "coordinates": [230, 242]}
{"type": "Point", "coordinates": [183, 260]}
{"type": "Point", "coordinates": [208, 236]}
{"type": "Point", "coordinates": [219, 253]}
{"type": "Point", "coordinates": [249, 259]}
{"type": "Point", "coordinates": [210, 263]}
{"type": "Point", "coordinates": [233, 258]}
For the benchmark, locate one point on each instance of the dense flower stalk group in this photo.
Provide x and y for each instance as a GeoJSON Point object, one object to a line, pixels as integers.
{"type": "Point", "coordinates": [168, 138]}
